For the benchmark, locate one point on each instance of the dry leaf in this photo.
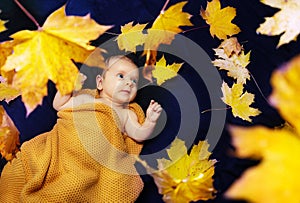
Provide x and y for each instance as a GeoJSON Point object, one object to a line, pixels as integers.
{"type": "Point", "coordinates": [184, 177]}
{"type": "Point", "coordinates": [284, 22]}
{"type": "Point", "coordinates": [235, 64]}
{"type": "Point", "coordinates": [9, 136]}
{"type": "Point", "coordinates": [276, 177]}
{"type": "Point", "coordinates": [231, 46]}
{"type": "Point", "coordinates": [239, 102]}
{"type": "Point", "coordinates": [285, 95]}
{"type": "Point", "coordinates": [149, 65]}
{"type": "Point", "coordinates": [220, 19]}
{"type": "Point", "coordinates": [131, 36]}
{"type": "Point", "coordinates": [163, 72]}
{"type": "Point", "coordinates": [48, 53]}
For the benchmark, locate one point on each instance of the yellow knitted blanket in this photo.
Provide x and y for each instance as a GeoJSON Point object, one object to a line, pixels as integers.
{"type": "Point", "coordinates": [85, 158]}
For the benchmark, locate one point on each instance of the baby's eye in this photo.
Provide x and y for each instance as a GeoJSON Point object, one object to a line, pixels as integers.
{"type": "Point", "coordinates": [134, 81]}
{"type": "Point", "coordinates": [120, 75]}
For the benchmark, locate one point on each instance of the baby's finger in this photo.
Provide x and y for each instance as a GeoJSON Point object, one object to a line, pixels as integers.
{"type": "Point", "coordinates": [156, 107]}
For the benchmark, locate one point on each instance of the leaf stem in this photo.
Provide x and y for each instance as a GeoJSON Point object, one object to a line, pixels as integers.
{"type": "Point", "coordinates": [28, 14]}
{"type": "Point", "coordinates": [217, 109]}
{"type": "Point", "coordinates": [195, 28]}
{"type": "Point", "coordinates": [260, 91]}
{"type": "Point", "coordinates": [112, 33]}
{"type": "Point", "coordinates": [164, 7]}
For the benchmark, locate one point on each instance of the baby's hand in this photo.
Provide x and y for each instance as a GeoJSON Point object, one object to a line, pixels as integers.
{"type": "Point", "coordinates": [153, 112]}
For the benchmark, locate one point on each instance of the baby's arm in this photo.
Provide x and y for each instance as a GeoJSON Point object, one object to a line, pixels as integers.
{"type": "Point", "coordinates": [60, 101]}
{"type": "Point", "coordinates": [142, 132]}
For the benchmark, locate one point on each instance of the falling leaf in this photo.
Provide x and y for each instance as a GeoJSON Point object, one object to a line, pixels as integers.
{"type": "Point", "coordinates": [220, 19]}
{"type": "Point", "coordinates": [9, 136]}
{"type": "Point", "coordinates": [149, 65]}
{"type": "Point", "coordinates": [166, 26]}
{"type": "Point", "coordinates": [184, 177]}
{"type": "Point", "coordinates": [47, 54]}
{"type": "Point", "coordinates": [163, 72]}
{"type": "Point", "coordinates": [6, 49]}
{"type": "Point", "coordinates": [235, 64]}
{"type": "Point", "coordinates": [285, 22]}
{"type": "Point", "coordinates": [276, 177]}
{"type": "Point", "coordinates": [285, 95]}
{"type": "Point", "coordinates": [2, 25]}
{"type": "Point", "coordinates": [231, 46]}
{"type": "Point", "coordinates": [131, 36]}
{"type": "Point", "coordinates": [7, 92]}
{"type": "Point", "coordinates": [239, 102]}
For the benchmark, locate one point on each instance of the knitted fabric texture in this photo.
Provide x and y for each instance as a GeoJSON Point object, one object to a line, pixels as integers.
{"type": "Point", "coordinates": [84, 158]}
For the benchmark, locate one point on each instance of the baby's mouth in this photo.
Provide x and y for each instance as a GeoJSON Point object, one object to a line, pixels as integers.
{"type": "Point", "coordinates": [126, 91]}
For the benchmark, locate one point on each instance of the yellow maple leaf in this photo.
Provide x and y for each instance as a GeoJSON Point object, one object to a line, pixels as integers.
{"type": "Point", "coordinates": [7, 92]}
{"type": "Point", "coordinates": [184, 177]}
{"type": "Point", "coordinates": [47, 54]}
{"type": "Point", "coordinates": [2, 25]}
{"type": "Point", "coordinates": [284, 22]}
{"type": "Point", "coordinates": [276, 177]}
{"type": "Point", "coordinates": [6, 49]}
{"type": "Point", "coordinates": [235, 64]}
{"type": "Point", "coordinates": [131, 36]}
{"type": "Point", "coordinates": [239, 102]}
{"type": "Point", "coordinates": [285, 95]}
{"type": "Point", "coordinates": [163, 72]}
{"type": "Point", "coordinates": [9, 136]}
{"type": "Point", "coordinates": [166, 26]}
{"type": "Point", "coordinates": [220, 19]}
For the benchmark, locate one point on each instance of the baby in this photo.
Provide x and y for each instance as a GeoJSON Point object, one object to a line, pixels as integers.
{"type": "Point", "coordinates": [117, 87]}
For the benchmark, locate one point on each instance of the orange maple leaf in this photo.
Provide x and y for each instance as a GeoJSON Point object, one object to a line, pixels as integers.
{"type": "Point", "coordinates": [47, 54]}
{"type": "Point", "coordinates": [9, 136]}
{"type": "Point", "coordinates": [220, 19]}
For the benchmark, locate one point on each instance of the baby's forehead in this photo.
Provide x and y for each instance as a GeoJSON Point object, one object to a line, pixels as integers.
{"type": "Point", "coordinates": [123, 65]}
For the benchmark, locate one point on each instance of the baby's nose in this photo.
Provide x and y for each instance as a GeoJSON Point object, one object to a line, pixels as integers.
{"type": "Point", "coordinates": [128, 82]}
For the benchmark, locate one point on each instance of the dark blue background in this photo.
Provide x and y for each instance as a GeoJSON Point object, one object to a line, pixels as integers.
{"type": "Point", "coordinates": [264, 59]}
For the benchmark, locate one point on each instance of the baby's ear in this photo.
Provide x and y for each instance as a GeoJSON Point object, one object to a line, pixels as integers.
{"type": "Point", "coordinates": [99, 80]}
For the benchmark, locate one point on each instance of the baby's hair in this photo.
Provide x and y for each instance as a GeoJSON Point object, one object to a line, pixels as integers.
{"type": "Point", "coordinates": [112, 60]}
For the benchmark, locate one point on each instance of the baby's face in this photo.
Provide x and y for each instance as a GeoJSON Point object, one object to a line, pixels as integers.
{"type": "Point", "coordinates": [120, 81]}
